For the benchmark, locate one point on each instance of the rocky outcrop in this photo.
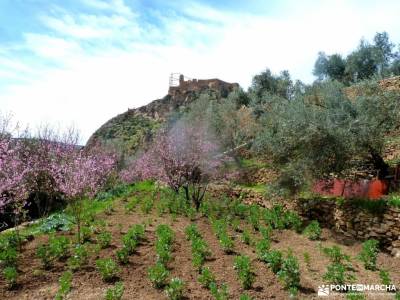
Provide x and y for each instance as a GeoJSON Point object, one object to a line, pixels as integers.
{"type": "Point", "coordinates": [131, 129]}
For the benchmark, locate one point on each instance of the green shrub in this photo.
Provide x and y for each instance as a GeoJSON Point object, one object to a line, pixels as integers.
{"type": "Point", "coordinates": [116, 292]}
{"type": "Point", "coordinates": [10, 275]}
{"type": "Point", "coordinates": [274, 260]}
{"type": "Point", "coordinates": [239, 209]}
{"type": "Point", "coordinates": [56, 222]}
{"type": "Point", "coordinates": [369, 254]}
{"type": "Point", "coordinates": [246, 237]}
{"type": "Point", "coordinates": [313, 231]}
{"type": "Point", "coordinates": [158, 274]}
{"type": "Point", "coordinates": [165, 233]}
{"type": "Point", "coordinates": [43, 252]}
{"type": "Point", "coordinates": [385, 277]}
{"type": "Point", "coordinates": [206, 277]}
{"type": "Point", "coordinates": [262, 248]}
{"type": "Point", "coordinates": [266, 232]}
{"type": "Point", "coordinates": [219, 227]}
{"type": "Point", "coordinates": [79, 258]}
{"type": "Point", "coordinates": [219, 293]}
{"type": "Point", "coordinates": [245, 297]}
{"type": "Point", "coordinates": [192, 232]}
{"type": "Point", "coordinates": [129, 243]}
{"type": "Point", "coordinates": [175, 289]}
{"type": "Point", "coordinates": [65, 285]}
{"type": "Point", "coordinates": [122, 256]}
{"type": "Point", "coordinates": [163, 251]}
{"type": "Point", "coordinates": [226, 242]}
{"type": "Point", "coordinates": [254, 216]}
{"type": "Point", "coordinates": [245, 274]}
{"type": "Point", "coordinates": [59, 246]}
{"type": "Point", "coordinates": [8, 256]}
{"type": "Point", "coordinates": [104, 239]}
{"type": "Point", "coordinates": [336, 255]}
{"type": "Point", "coordinates": [289, 274]}
{"type": "Point", "coordinates": [336, 273]}
{"type": "Point", "coordinates": [147, 205]}
{"type": "Point", "coordinates": [86, 233]}
{"type": "Point", "coordinates": [200, 252]}
{"type": "Point", "coordinates": [107, 268]}
{"type": "Point", "coordinates": [292, 221]}
{"type": "Point", "coordinates": [274, 217]}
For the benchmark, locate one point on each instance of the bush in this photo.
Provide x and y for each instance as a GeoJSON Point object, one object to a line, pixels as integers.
{"type": "Point", "coordinates": [65, 285]}
{"type": "Point", "coordinates": [79, 258]}
{"type": "Point", "coordinates": [266, 232]}
{"type": "Point", "coordinates": [158, 274]}
{"type": "Point", "coordinates": [107, 268]}
{"type": "Point", "coordinates": [86, 233]}
{"type": "Point", "coordinates": [9, 256]}
{"type": "Point", "coordinates": [274, 259]}
{"type": "Point", "coordinates": [147, 205]}
{"type": "Point", "coordinates": [262, 248]}
{"type": "Point", "coordinates": [337, 274]}
{"type": "Point", "coordinates": [43, 252]}
{"type": "Point", "coordinates": [336, 255]}
{"type": "Point", "coordinates": [104, 239]}
{"type": "Point", "coordinates": [192, 232]}
{"type": "Point", "coordinates": [59, 246]}
{"type": "Point", "coordinates": [122, 256]}
{"type": "Point", "coordinates": [10, 275]}
{"type": "Point", "coordinates": [219, 293]}
{"type": "Point", "coordinates": [292, 221]}
{"type": "Point", "coordinates": [369, 254]}
{"type": "Point", "coordinates": [206, 277]}
{"type": "Point", "coordinates": [254, 216]}
{"type": "Point", "coordinates": [243, 267]}
{"type": "Point", "coordinates": [226, 242]}
{"type": "Point", "coordinates": [246, 237]}
{"type": "Point", "coordinates": [163, 251]}
{"type": "Point", "coordinates": [289, 273]}
{"type": "Point", "coordinates": [116, 292]}
{"type": "Point", "coordinates": [313, 231]}
{"type": "Point", "coordinates": [200, 252]}
{"type": "Point", "coordinates": [385, 278]}
{"type": "Point", "coordinates": [274, 217]}
{"type": "Point", "coordinates": [174, 290]}
{"type": "Point", "coordinates": [56, 222]}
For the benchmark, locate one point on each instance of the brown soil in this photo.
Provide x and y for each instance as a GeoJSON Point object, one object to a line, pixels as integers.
{"type": "Point", "coordinates": [36, 283]}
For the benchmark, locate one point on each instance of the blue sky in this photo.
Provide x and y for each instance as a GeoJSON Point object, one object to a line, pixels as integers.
{"type": "Point", "coordinates": [81, 62]}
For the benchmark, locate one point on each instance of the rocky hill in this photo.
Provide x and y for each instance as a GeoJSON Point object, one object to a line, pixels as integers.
{"type": "Point", "coordinates": [132, 128]}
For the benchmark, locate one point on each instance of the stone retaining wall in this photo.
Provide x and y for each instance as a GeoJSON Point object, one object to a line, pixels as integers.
{"type": "Point", "coordinates": [356, 222]}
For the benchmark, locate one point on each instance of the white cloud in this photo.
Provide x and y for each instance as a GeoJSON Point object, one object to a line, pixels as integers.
{"type": "Point", "coordinates": [114, 61]}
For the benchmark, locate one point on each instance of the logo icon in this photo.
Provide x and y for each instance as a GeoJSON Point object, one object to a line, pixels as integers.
{"type": "Point", "coordinates": [323, 290]}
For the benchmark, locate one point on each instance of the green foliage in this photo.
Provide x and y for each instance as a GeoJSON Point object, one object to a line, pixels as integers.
{"type": "Point", "coordinates": [292, 221]}
{"type": "Point", "coordinates": [206, 277]}
{"type": "Point", "coordinates": [86, 233]}
{"type": "Point", "coordinates": [246, 237]}
{"type": "Point", "coordinates": [107, 268]}
{"type": "Point", "coordinates": [132, 204]}
{"type": "Point", "coordinates": [65, 282]}
{"type": "Point", "coordinates": [385, 277]}
{"type": "Point", "coordinates": [8, 256]}
{"type": "Point", "coordinates": [200, 250]}
{"type": "Point", "coordinates": [243, 267]}
{"type": "Point", "coordinates": [262, 249]}
{"type": "Point", "coordinates": [336, 273]}
{"type": "Point", "coordinates": [307, 259]}
{"type": "Point", "coordinates": [254, 216]}
{"type": "Point", "coordinates": [369, 254]}
{"type": "Point", "coordinates": [43, 252]}
{"type": "Point", "coordinates": [56, 222]}
{"type": "Point", "coordinates": [192, 232]}
{"type": "Point", "coordinates": [226, 243]}
{"type": "Point", "coordinates": [147, 204]}
{"type": "Point", "coordinates": [245, 297]}
{"type": "Point", "coordinates": [274, 217]}
{"type": "Point", "coordinates": [220, 293]}
{"type": "Point", "coordinates": [289, 274]}
{"type": "Point", "coordinates": [59, 247]}
{"type": "Point", "coordinates": [104, 239]}
{"type": "Point", "coordinates": [313, 231]}
{"type": "Point", "coordinates": [274, 260]}
{"type": "Point", "coordinates": [175, 289]}
{"type": "Point", "coordinates": [336, 255]}
{"type": "Point", "coordinates": [165, 237]}
{"type": "Point", "coordinates": [158, 275]}
{"type": "Point", "coordinates": [10, 275]}
{"type": "Point", "coordinates": [116, 292]}
{"type": "Point", "coordinates": [132, 238]}
{"type": "Point", "coordinates": [79, 258]}
{"type": "Point", "coordinates": [355, 296]}
{"type": "Point", "coordinates": [122, 255]}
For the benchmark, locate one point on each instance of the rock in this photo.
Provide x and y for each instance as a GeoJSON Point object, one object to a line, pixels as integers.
{"type": "Point", "coordinates": [396, 252]}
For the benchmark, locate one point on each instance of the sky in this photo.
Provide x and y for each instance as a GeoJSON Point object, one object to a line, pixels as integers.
{"type": "Point", "coordinates": [81, 62]}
